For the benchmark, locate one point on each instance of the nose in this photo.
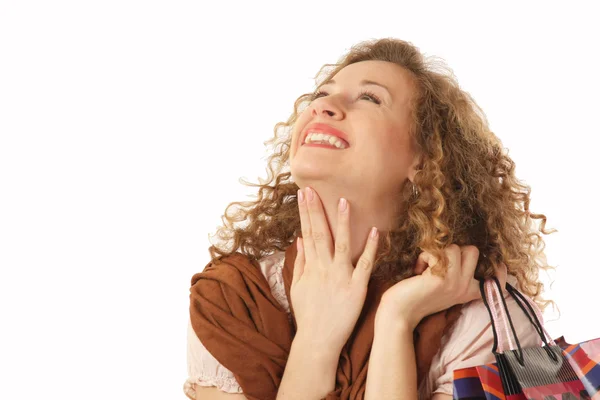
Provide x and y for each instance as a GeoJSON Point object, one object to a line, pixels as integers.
{"type": "Point", "coordinates": [327, 105]}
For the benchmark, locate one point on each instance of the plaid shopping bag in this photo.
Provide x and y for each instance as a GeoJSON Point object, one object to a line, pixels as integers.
{"type": "Point", "coordinates": [481, 382]}
{"type": "Point", "coordinates": [552, 371]}
{"type": "Point", "coordinates": [584, 357]}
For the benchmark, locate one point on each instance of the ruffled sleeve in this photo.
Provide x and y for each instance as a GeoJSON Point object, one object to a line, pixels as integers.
{"type": "Point", "coordinates": [204, 370]}
{"type": "Point", "coordinates": [470, 344]}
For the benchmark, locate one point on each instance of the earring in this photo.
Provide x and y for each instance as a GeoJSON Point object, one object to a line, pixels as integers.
{"type": "Point", "coordinates": [415, 190]}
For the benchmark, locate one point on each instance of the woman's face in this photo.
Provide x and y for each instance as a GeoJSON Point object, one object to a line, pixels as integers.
{"type": "Point", "coordinates": [375, 155]}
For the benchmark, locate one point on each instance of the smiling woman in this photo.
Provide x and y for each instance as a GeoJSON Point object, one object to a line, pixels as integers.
{"type": "Point", "coordinates": [355, 273]}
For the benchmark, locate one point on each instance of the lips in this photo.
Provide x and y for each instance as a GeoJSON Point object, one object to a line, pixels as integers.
{"type": "Point", "coordinates": [324, 128]}
{"type": "Point", "coordinates": [322, 145]}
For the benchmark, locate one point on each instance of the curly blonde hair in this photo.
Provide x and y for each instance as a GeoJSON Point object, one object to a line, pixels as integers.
{"type": "Point", "coordinates": [467, 192]}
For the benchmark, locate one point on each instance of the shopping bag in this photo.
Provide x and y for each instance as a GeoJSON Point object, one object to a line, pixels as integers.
{"type": "Point", "coordinates": [552, 371]}
{"type": "Point", "coordinates": [481, 382]}
{"type": "Point", "coordinates": [584, 357]}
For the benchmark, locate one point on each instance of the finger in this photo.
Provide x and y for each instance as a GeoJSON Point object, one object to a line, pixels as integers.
{"type": "Point", "coordinates": [455, 260]}
{"type": "Point", "coordinates": [466, 273]}
{"type": "Point", "coordinates": [364, 266]}
{"type": "Point", "coordinates": [299, 262]}
{"type": "Point", "coordinates": [342, 255]}
{"type": "Point", "coordinates": [473, 292]}
{"type": "Point", "coordinates": [321, 233]}
{"type": "Point", "coordinates": [470, 259]}
{"type": "Point", "coordinates": [307, 243]}
{"type": "Point", "coordinates": [424, 261]}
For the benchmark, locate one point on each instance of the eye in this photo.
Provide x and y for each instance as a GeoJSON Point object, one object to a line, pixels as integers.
{"type": "Point", "coordinates": [318, 94]}
{"type": "Point", "coordinates": [372, 95]}
{"type": "Point", "coordinates": [365, 93]}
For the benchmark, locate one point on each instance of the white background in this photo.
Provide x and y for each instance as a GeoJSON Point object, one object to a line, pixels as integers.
{"type": "Point", "coordinates": [125, 126]}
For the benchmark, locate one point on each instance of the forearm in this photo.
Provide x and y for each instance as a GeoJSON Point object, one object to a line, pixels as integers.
{"type": "Point", "coordinates": [392, 370]}
{"type": "Point", "coordinates": [309, 373]}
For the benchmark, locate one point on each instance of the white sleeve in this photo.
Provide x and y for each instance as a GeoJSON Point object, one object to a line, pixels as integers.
{"type": "Point", "coordinates": [204, 369]}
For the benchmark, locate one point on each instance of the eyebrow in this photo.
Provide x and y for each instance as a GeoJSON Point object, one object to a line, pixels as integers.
{"type": "Point", "coordinates": [365, 82]}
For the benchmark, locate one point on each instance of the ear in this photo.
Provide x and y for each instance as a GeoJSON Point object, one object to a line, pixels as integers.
{"type": "Point", "coordinates": [414, 167]}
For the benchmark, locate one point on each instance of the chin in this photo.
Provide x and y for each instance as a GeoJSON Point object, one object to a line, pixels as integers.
{"type": "Point", "coordinates": [309, 173]}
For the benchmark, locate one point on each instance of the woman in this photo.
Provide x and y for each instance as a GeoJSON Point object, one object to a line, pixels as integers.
{"type": "Point", "coordinates": [356, 273]}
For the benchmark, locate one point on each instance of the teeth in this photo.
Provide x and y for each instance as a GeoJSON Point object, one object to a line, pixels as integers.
{"type": "Point", "coordinates": [323, 137]}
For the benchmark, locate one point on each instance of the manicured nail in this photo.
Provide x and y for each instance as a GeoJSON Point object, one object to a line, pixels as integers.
{"type": "Point", "coordinates": [300, 196]}
{"type": "Point", "coordinates": [373, 233]}
{"type": "Point", "coordinates": [343, 204]}
{"type": "Point", "coordinates": [309, 194]}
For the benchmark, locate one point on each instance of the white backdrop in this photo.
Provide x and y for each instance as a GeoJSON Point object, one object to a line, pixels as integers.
{"type": "Point", "coordinates": [125, 126]}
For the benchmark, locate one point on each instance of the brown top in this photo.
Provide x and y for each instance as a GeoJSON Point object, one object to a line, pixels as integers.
{"type": "Point", "coordinates": [236, 317]}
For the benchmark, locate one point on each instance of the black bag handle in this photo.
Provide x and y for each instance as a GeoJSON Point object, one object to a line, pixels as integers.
{"type": "Point", "coordinates": [512, 326]}
{"type": "Point", "coordinates": [531, 315]}
{"type": "Point", "coordinates": [533, 319]}
{"type": "Point", "coordinates": [520, 300]}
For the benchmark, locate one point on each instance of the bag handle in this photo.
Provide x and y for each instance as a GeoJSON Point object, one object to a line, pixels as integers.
{"type": "Point", "coordinates": [493, 319]}
{"type": "Point", "coordinates": [506, 315]}
{"type": "Point", "coordinates": [491, 291]}
{"type": "Point", "coordinates": [519, 298]}
{"type": "Point", "coordinates": [535, 312]}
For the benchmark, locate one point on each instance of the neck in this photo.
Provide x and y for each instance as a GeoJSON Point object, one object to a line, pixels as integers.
{"type": "Point", "coordinates": [366, 211]}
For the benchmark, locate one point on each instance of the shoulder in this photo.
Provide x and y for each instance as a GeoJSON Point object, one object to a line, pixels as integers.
{"type": "Point", "coordinates": [237, 272]}
{"type": "Point", "coordinates": [469, 343]}
{"type": "Point", "coordinates": [229, 269]}
{"type": "Point", "coordinates": [228, 300]}
{"type": "Point", "coordinates": [473, 330]}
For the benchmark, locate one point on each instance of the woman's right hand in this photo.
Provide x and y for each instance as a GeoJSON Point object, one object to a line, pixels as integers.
{"type": "Point", "coordinates": [327, 292]}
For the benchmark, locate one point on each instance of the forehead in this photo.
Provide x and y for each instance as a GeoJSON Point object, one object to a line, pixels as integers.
{"type": "Point", "coordinates": [396, 78]}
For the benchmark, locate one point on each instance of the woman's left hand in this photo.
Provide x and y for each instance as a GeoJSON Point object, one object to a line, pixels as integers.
{"type": "Point", "coordinates": [412, 299]}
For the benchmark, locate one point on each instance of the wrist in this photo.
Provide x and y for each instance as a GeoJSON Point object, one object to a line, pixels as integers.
{"type": "Point", "coordinates": [316, 349]}
{"type": "Point", "coordinates": [310, 371]}
{"type": "Point", "coordinates": [394, 317]}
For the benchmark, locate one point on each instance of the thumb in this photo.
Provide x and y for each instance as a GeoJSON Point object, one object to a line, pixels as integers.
{"type": "Point", "coordinates": [424, 261]}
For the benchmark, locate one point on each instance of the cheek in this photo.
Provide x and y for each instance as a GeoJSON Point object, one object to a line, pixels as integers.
{"type": "Point", "coordinates": [395, 151]}
{"type": "Point", "coordinates": [293, 142]}
{"type": "Point", "coordinates": [391, 145]}
{"type": "Point", "coordinates": [297, 128]}
{"type": "Point", "coordinates": [397, 140]}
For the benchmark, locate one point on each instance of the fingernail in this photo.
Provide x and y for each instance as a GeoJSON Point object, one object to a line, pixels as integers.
{"type": "Point", "coordinates": [373, 232]}
{"type": "Point", "coordinates": [309, 193]}
{"type": "Point", "coordinates": [342, 205]}
{"type": "Point", "coordinates": [300, 196]}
